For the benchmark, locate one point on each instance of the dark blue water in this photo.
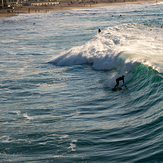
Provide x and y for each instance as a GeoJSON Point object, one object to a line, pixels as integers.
{"type": "Point", "coordinates": [56, 78]}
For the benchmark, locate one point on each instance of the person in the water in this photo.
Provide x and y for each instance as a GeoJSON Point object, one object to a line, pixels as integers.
{"type": "Point", "coordinates": [118, 79]}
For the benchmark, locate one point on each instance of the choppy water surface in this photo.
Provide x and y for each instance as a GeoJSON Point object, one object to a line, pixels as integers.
{"type": "Point", "coordinates": [56, 78]}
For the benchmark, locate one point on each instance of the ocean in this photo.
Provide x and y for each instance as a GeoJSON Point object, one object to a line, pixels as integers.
{"type": "Point", "coordinates": [56, 78]}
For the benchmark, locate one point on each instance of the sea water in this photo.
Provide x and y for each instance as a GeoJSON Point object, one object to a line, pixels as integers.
{"type": "Point", "coordinates": [56, 78]}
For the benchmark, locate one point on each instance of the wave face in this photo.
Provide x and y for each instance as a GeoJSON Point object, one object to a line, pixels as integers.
{"type": "Point", "coordinates": [66, 111]}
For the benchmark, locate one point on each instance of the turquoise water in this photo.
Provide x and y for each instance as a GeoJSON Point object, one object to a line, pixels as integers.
{"type": "Point", "coordinates": [56, 78]}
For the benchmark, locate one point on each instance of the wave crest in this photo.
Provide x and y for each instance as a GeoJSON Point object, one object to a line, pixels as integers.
{"type": "Point", "coordinates": [121, 47]}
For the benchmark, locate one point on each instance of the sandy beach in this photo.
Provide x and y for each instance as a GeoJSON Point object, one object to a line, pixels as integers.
{"type": "Point", "coordinates": [64, 6]}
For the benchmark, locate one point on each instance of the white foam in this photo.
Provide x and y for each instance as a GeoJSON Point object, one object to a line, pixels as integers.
{"type": "Point", "coordinates": [43, 143]}
{"type": "Point", "coordinates": [74, 140]}
{"type": "Point", "coordinates": [121, 47]}
{"type": "Point", "coordinates": [73, 145]}
{"type": "Point", "coordinates": [5, 139]}
{"type": "Point", "coordinates": [26, 116]}
{"type": "Point", "coordinates": [158, 3]}
{"type": "Point", "coordinates": [64, 136]}
{"type": "Point", "coordinates": [8, 41]}
{"type": "Point", "coordinates": [16, 111]}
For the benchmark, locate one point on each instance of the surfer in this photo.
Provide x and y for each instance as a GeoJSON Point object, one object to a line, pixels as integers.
{"type": "Point", "coordinates": [99, 30]}
{"type": "Point", "coordinates": [118, 79]}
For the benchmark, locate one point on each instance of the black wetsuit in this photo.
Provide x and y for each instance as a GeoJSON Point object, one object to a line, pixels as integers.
{"type": "Point", "coordinates": [118, 79]}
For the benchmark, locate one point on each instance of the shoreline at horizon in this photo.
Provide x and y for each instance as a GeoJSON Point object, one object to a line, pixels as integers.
{"type": "Point", "coordinates": [43, 9]}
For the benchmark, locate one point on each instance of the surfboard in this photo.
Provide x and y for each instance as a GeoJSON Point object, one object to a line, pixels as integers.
{"type": "Point", "coordinates": [119, 88]}
{"type": "Point", "coordinates": [116, 89]}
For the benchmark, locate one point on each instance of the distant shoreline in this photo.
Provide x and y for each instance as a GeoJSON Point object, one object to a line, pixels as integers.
{"type": "Point", "coordinates": [63, 6]}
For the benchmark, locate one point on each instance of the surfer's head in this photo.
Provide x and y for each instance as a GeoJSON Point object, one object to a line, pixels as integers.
{"type": "Point", "coordinates": [123, 76]}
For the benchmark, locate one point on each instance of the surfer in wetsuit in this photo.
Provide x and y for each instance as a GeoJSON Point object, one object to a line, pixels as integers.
{"type": "Point", "coordinates": [118, 79]}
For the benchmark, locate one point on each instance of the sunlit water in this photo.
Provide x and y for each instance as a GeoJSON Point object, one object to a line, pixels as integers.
{"type": "Point", "coordinates": [56, 78]}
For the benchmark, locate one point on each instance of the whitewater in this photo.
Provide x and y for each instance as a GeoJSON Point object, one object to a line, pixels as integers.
{"type": "Point", "coordinates": [56, 78]}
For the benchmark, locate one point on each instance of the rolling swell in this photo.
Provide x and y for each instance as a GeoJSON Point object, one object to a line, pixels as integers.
{"type": "Point", "coordinates": [137, 137]}
{"type": "Point", "coordinates": [146, 122]}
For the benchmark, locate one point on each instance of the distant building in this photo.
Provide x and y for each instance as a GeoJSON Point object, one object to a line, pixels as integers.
{"type": "Point", "coordinates": [10, 3]}
{"type": "Point", "coordinates": [44, 3]}
{"type": "Point", "coordinates": [2, 2]}
{"type": "Point", "coordinates": [19, 3]}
